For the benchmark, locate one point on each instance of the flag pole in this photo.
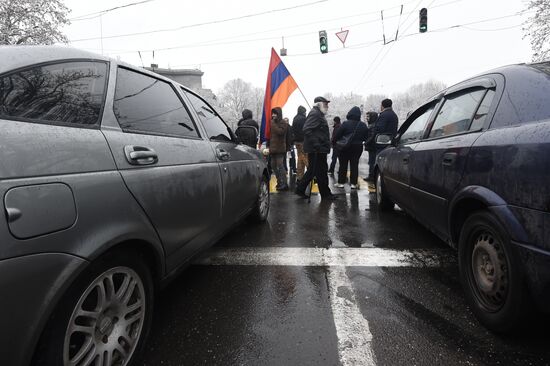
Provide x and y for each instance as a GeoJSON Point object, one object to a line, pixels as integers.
{"type": "Point", "coordinates": [301, 92]}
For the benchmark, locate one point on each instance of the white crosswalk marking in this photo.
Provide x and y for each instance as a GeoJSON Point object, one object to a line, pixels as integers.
{"type": "Point", "coordinates": [352, 329]}
{"type": "Point", "coordinates": [321, 257]}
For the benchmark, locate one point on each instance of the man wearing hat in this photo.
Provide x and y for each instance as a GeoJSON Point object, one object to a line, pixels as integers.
{"type": "Point", "coordinates": [316, 146]}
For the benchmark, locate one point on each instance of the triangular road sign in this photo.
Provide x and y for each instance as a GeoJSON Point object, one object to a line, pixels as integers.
{"type": "Point", "coordinates": [342, 35]}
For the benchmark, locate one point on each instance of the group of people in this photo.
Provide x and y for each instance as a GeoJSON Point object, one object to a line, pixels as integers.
{"type": "Point", "coordinates": [310, 135]}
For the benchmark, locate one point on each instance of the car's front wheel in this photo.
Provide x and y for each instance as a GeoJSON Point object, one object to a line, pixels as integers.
{"type": "Point", "coordinates": [491, 274]}
{"type": "Point", "coordinates": [382, 200]}
{"type": "Point", "coordinates": [105, 317]}
{"type": "Point", "coordinates": [260, 211]}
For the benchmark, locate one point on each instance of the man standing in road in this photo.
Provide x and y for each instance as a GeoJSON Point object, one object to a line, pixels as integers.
{"type": "Point", "coordinates": [278, 146]}
{"type": "Point", "coordinates": [385, 124]}
{"type": "Point", "coordinates": [247, 129]}
{"type": "Point", "coordinates": [317, 146]}
{"type": "Point", "coordinates": [298, 133]}
{"type": "Point", "coordinates": [370, 146]}
{"type": "Point", "coordinates": [335, 127]}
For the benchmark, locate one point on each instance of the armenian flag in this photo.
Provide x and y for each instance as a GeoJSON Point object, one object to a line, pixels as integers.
{"type": "Point", "coordinates": [279, 87]}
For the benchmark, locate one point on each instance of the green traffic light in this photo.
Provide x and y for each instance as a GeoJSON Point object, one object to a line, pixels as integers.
{"type": "Point", "coordinates": [323, 41]}
{"type": "Point", "coordinates": [423, 18]}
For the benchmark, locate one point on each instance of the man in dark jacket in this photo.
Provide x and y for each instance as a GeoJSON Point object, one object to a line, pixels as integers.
{"type": "Point", "coordinates": [357, 132]}
{"type": "Point", "coordinates": [317, 146]}
{"type": "Point", "coordinates": [247, 129]}
{"type": "Point", "coordinates": [370, 145]}
{"type": "Point", "coordinates": [279, 144]}
{"type": "Point", "coordinates": [387, 121]}
{"type": "Point", "coordinates": [385, 124]}
{"type": "Point", "coordinates": [298, 133]}
{"type": "Point", "coordinates": [335, 127]}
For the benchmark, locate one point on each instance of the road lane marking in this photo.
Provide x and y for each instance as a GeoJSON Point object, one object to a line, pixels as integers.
{"type": "Point", "coordinates": [322, 257]}
{"type": "Point", "coordinates": [352, 328]}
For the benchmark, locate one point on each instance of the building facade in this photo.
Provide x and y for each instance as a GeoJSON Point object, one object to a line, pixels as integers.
{"type": "Point", "coordinates": [190, 78]}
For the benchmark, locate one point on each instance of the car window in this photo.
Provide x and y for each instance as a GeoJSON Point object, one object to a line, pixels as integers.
{"type": "Point", "coordinates": [214, 125]}
{"type": "Point", "coordinates": [416, 129]}
{"type": "Point", "coordinates": [68, 92]}
{"type": "Point", "coordinates": [145, 104]}
{"type": "Point", "coordinates": [456, 113]}
{"type": "Point", "coordinates": [482, 111]}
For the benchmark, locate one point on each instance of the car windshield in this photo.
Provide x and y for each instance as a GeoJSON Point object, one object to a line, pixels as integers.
{"type": "Point", "coordinates": [543, 66]}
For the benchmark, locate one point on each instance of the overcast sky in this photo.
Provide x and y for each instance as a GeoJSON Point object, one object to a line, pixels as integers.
{"type": "Point", "coordinates": [240, 48]}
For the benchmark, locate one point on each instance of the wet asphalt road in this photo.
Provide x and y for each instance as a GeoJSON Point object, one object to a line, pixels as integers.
{"type": "Point", "coordinates": [284, 315]}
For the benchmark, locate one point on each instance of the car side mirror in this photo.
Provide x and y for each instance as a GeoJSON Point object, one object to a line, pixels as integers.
{"type": "Point", "coordinates": [383, 139]}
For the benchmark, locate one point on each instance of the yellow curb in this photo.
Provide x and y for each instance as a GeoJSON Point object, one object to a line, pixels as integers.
{"type": "Point", "coordinates": [273, 184]}
{"type": "Point", "coordinates": [315, 188]}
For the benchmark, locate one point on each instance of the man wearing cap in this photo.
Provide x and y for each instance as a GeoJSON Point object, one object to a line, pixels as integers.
{"type": "Point", "coordinates": [316, 146]}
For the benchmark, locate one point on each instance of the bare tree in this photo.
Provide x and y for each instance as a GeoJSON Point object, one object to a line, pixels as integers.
{"type": "Point", "coordinates": [32, 21]}
{"type": "Point", "coordinates": [257, 103]}
{"type": "Point", "coordinates": [341, 104]}
{"type": "Point", "coordinates": [538, 29]}
{"type": "Point", "coordinates": [414, 96]}
{"type": "Point", "coordinates": [237, 95]}
{"type": "Point", "coordinates": [372, 102]}
{"type": "Point", "coordinates": [403, 102]}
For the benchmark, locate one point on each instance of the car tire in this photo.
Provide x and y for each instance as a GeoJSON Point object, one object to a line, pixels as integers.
{"type": "Point", "coordinates": [491, 274]}
{"type": "Point", "coordinates": [260, 211]}
{"type": "Point", "coordinates": [382, 200]}
{"type": "Point", "coordinates": [105, 316]}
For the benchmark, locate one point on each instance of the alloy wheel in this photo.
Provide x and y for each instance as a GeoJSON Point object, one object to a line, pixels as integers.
{"type": "Point", "coordinates": [107, 321]}
{"type": "Point", "coordinates": [379, 188]}
{"type": "Point", "coordinates": [264, 199]}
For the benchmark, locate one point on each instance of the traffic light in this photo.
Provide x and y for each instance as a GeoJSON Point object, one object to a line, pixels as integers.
{"type": "Point", "coordinates": [323, 41]}
{"type": "Point", "coordinates": [423, 20]}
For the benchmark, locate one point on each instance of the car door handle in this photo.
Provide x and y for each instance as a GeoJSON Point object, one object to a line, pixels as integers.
{"type": "Point", "coordinates": [222, 154]}
{"type": "Point", "coordinates": [406, 160]}
{"type": "Point", "coordinates": [140, 155]}
{"type": "Point", "coordinates": [449, 158]}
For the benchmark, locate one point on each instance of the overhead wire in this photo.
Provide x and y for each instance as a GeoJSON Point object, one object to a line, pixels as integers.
{"type": "Point", "coordinates": [355, 46]}
{"type": "Point", "coordinates": [218, 21]}
{"type": "Point", "coordinates": [101, 12]}
{"type": "Point", "coordinates": [371, 65]}
{"type": "Point", "coordinates": [465, 26]}
{"type": "Point", "coordinates": [363, 44]}
{"type": "Point", "coordinates": [219, 41]}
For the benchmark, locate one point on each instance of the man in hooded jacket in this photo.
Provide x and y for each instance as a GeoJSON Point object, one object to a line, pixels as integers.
{"type": "Point", "coordinates": [317, 146]}
{"type": "Point", "coordinates": [247, 129]}
{"type": "Point", "coordinates": [298, 133]}
{"type": "Point", "coordinates": [357, 132]}
{"type": "Point", "coordinates": [279, 144]}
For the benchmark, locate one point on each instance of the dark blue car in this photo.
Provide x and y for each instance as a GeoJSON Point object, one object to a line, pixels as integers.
{"type": "Point", "coordinates": [473, 165]}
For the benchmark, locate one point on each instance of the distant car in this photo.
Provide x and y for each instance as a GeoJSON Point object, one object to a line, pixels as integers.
{"type": "Point", "coordinates": [473, 165]}
{"type": "Point", "coordinates": [112, 178]}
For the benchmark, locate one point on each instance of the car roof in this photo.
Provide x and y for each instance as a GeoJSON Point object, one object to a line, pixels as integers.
{"type": "Point", "coordinates": [506, 71]}
{"type": "Point", "coordinates": [15, 57]}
